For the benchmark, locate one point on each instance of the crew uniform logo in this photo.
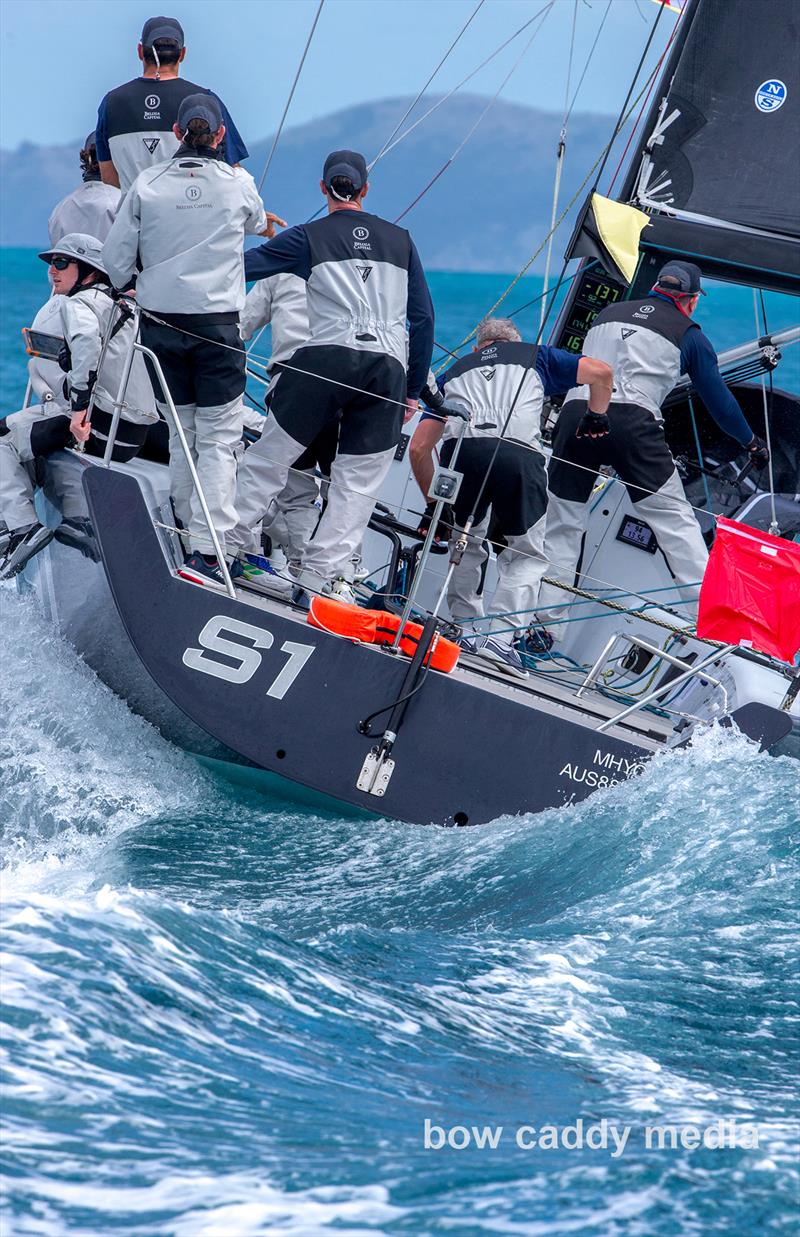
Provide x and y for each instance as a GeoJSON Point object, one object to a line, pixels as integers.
{"type": "Point", "coordinates": [361, 234]}
{"type": "Point", "coordinates": [152, 101]}
{"type": "Point", "coordinates": [364, 272]}
{"type": "Point", "coordinates": [627, 332]}
{"type": "Point", "coordinates": [151, 143]}
{"type": "Point", "coordinates": [771, 95]}
{"type": "Point", "coordinates": [488, 374]}
{"type": "Point", "coordinates": [194, 193]}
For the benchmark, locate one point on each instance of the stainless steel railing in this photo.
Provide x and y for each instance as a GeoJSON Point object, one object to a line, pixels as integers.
{"type": "Point", "coordinates": [175, 423]}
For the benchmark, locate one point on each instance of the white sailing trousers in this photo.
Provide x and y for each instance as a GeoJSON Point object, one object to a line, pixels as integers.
{"type": "Point", "coordinates": [638, 451]}
{"type": "Point", "coordinates": [212, 435]}
{"type": "Point", "coordinates": [520, 567]}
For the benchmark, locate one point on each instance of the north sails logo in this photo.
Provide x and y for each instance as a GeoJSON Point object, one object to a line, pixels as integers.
{"type": "Point", "coordinates": [631, 330]}
{"type": "Point", "coordinates": [364, 272]}
{"type": "Point", "coordinates": [488, 374]}
{"type": "Point", "coordinates": [771, 95]}
{"type": "Point", "coordinates": [151, 143]}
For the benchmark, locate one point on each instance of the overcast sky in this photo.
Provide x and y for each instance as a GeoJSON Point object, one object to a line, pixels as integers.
{"type": "Point", "coordinates": [59, 58]}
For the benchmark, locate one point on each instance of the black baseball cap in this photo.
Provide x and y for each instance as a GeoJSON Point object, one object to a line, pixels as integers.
{"type": "Point", "coordinates": [200, 106]}
{"type": "Point", "coordinates": [347, 163]}
{"type": "Point", "coordinates": [681, 277]}
{"type": "Point", "coordinates": [162, 28]}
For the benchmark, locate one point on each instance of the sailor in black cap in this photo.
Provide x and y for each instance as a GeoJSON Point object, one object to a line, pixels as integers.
{"type": "Point", "coordinates": [91, 207]}
{"type": "Point", "coordinates": [367, 357]}
{"type": "Point", "coordinates": [648, 342]}
{"type": "Point", "coordinates": [182, 225]}
{"type": "Point", "coordinates": [135, 121]}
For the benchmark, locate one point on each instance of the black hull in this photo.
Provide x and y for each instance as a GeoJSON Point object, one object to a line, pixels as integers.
{"type": "Point", "coordinates": [469, 750]}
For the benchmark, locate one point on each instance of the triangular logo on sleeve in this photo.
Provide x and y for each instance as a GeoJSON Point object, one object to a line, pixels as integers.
{"type": "Point", "coordinates": [626, 331]}
{"type": "Point", "coordinates": [488, 374]}
{"type": "Point", "coordinates": [364, 272]}
{"type": "Point", "coordinates": [151, 143]}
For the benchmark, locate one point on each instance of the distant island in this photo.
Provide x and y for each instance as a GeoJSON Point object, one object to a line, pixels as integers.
{"type": "Point", "coordinates": [488, 212]}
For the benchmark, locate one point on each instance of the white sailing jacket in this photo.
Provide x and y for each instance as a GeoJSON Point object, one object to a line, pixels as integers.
{"type": "Point", "coordinates": [185, 220]}
{"type": "Point", "coordinates": [47, 377]}
{"type": "Point", "coordinates": [90, 208]}
{"type": "Point", "coordinates": [84, 321]}
{"type": "Point", "coordinates": [279, 300]}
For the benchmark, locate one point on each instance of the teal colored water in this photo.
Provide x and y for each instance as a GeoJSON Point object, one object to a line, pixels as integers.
{"type": "Point", "coordinates": [227, 1016]}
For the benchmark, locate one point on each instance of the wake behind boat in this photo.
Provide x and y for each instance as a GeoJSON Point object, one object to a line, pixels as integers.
{"type": "Point", "coordinates": [232, 667]}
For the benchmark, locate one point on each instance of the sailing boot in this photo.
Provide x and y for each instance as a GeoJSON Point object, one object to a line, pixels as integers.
{"type": "Point", "coordinates": [23, 544]}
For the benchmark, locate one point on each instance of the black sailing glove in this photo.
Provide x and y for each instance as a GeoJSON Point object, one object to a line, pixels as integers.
{"type": "Point", "coordinates": [444, 528]}
{"type": "Point", "coordinates": [758, 452]}
{"type": "Point", "coordinates": [592, 425]}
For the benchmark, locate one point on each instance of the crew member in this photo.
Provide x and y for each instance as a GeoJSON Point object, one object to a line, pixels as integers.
{"type": "Point", "coordinates": [649, 342]}
{"type": "Point", "coordinates": [84, 305]}
{"type": "Point", "coordinates": [503, 383]}
{"type": "Point", "coordinates": [91, 207]}
{"type": "Point", "coordinates": [183, 223]}
{"type": "Point", "coordinates": [136, 122]}
{"type": "Point", "coordinates": [280, 302]}
{"type": "Point", "coordinates": [365, 283]}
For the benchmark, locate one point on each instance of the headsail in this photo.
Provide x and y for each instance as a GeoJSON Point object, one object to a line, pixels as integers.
{"type": "Point", "coordinates": [720, 168]}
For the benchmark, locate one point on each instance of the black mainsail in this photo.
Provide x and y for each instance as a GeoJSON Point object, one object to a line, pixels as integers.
{"type": "Point", "coordinates": [719, 168]}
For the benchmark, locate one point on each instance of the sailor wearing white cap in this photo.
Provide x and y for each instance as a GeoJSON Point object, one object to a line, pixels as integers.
{"type": "Point", "coordinates": [182, 225]}
{"type": "Point", "coordinates": [84, 306]}
{"type": "Point", "coordinates": [648, 342]}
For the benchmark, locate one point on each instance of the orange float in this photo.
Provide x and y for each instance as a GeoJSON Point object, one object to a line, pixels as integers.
{"type": "Point", "coordinates": [378, 627]}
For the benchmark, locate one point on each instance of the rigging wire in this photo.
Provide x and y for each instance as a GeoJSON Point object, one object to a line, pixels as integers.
{"type": "Point", "coordinates": [410, 109]}
{"type": "Point", "coordinates": [449, 162]}
{"type": "Point", "coordinates": [637, 122]}
{"type": "Point", "coordinates": [276, 139]}
{"type": "Point", "coordinates": [464, 81]}
{"type": "Point", "coordinates": [622, 117]}
{"type": "Point", "coordinates": [419, 95]}
{"type": "Point", "coordinates": [560, 151]}
{"type": "Point", "coordinates": [468, 338]}
{"type": "Point", "coordinates": [774, 527]}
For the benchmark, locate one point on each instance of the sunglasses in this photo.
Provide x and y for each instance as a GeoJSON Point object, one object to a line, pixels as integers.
{"type": "Point", "coordinates": [61, 263]}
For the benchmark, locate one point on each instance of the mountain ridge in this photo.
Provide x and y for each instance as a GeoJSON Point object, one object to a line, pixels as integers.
{"type": "Point", "coordinates": [489, 210]}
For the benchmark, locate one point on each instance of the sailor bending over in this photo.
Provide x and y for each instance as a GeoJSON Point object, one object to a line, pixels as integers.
{"type": "Point", "coordinates": [365, 282]}
{"type": "Point", "coordinates": [80, 312]}
{"type": "Point", "coordinates": [503, 384]}
{"type": "Point", "coordinates": [649, 342]}
{"type": "Point", "coordinates": [183, 224]}
{"type": "Point", "coordinates": [280, 302]}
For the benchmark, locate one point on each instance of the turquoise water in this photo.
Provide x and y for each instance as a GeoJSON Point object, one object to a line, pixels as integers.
{"type": "Point", "coordinates": [224, 1016]}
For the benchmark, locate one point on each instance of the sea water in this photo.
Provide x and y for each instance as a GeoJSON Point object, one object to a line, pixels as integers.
{"type": "Point", "coordinates": [226, 1016]}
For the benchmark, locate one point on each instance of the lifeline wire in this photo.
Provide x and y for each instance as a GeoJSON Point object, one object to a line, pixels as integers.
{"type": "Point", "coordinates": [291, 95]}
{"type": "Point", "coordinates": [263, 363]}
